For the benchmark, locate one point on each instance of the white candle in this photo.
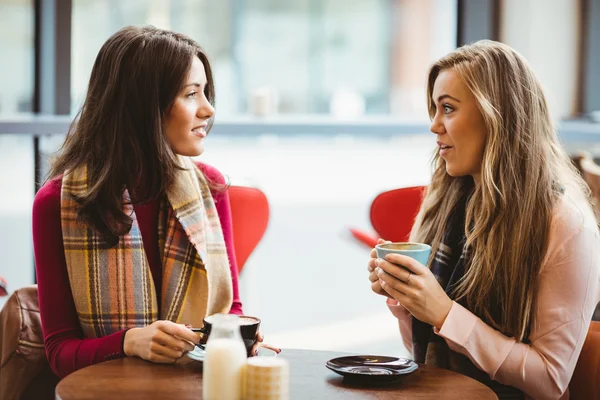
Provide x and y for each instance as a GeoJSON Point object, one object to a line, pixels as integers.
{"type": "Point", "coordinates": [267, 378]}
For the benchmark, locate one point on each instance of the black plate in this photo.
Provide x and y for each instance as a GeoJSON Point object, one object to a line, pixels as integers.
{"type": "Point", "coordinates": [372, 369]}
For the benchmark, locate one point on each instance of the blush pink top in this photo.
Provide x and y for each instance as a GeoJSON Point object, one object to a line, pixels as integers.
{"type": "Point", "coordinates": [567, 294]}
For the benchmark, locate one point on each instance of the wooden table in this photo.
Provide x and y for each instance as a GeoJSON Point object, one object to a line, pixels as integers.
{"type": "Point", "coordinates": [133, 378]}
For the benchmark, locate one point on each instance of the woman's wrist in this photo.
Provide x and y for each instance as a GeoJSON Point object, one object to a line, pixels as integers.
{"type": "Point", "coordinates": [129, 342]}
{"type": "Point", "coordinates": [444, 311]}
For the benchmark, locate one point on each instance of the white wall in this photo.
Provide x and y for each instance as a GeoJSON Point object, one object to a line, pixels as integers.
{"type": "Point", "coordinates": [546, 33]}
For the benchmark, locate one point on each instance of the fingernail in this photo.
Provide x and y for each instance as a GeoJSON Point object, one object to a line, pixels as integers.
{"type": "Point", "coordinates": [377, 262]}
{"type": "Point", "coordinates": [378, 271]}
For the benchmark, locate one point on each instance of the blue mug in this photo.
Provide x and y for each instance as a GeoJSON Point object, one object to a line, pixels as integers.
{"type": "Point", "coordinates": [418, 251]}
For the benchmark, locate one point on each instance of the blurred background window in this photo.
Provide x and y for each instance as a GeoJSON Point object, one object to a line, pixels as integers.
{"type": "Point", "coordinates": [344, 57]}
{"type": "Point", "coordinates": [324, 66]}
{"type": "Point", "coordinates": [16, 56]}
{"type": "Point", "coordinates": [16, 151]}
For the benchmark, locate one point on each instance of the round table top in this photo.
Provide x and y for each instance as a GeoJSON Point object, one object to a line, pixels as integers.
{"type": "Point", "coordinates": [133, 378]}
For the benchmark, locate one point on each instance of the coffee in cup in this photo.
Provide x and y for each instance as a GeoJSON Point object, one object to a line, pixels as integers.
{"type": "Point", "coordinates": [248, 329]}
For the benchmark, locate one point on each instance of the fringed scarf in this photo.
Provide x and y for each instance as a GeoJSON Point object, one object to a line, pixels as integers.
{"type": "Point", "coordinates": [113, 287]}
{"type": "Point", "coordinates": [448, 266]}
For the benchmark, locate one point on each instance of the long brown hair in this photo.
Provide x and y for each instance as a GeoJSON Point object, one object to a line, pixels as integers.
{"type": "Point", "coordinates": [118, 133]}
{"type": "Point", "coordinates": [523, 173]}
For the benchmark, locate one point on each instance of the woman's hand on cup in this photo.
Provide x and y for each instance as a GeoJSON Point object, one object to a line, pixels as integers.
{"type": "Point", "coordinates": [258, 343]}
{"type": "Point", "coordinates": [415, 287]}
{"type": "Point", "coordinates": [373, 277]}
{"type": "Point", "coordinates": [160, 342]}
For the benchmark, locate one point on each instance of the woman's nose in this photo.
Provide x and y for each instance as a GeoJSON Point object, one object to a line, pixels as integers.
{"type": "Point", "coordinates": [205, 110]}
{"type": "Point", "coordinates": [437, 127]}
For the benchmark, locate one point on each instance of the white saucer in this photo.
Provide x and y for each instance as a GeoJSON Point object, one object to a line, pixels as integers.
{"type": "Point", "coordinates": [197, 354]}
{"type": "Point", "coordinates": [264, 352]}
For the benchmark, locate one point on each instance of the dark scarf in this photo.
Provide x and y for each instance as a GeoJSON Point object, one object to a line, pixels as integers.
{"type": "Point", "coordinates": [448, 266]}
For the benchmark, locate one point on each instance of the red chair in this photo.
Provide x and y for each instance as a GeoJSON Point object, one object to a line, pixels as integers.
{"type": "Point", "coordinates": [392, 215]}
{"type": "Point", "coordinates": [585, 383]}
{"type": "Point", "coordinates": [250, 216]}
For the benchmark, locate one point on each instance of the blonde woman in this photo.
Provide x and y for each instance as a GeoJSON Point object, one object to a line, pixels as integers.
{"type": "Point", "coordinates": [509, 293]}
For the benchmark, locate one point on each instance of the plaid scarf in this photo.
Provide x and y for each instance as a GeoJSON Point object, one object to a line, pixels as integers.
{"type": "Point", "coordinates": [448, 266]}
{"type": "Point", "coordinates": [113, 287]}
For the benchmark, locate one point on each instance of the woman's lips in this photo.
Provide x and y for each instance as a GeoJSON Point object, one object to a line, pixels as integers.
{"type": "Point", "coordinates": [444, 149]}
{"type": "Point", "coordinates": [200, 132]}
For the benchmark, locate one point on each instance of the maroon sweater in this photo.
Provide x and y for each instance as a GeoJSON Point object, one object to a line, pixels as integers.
{"type": "Point", "coordinates": [66, 348]}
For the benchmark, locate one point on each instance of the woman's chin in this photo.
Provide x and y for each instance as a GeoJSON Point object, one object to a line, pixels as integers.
{"type": "Point", "coordinates": [191, 151]}
{"type": "Point", "coordinates": [453, 172]}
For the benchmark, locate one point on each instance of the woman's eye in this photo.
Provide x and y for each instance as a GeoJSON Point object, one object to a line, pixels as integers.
{"type": "Point", "coordinates": [192, 95]}
{"type": "Point", "coordinates": [447, 109]}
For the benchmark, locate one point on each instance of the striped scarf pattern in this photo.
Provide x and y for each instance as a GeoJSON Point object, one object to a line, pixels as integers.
{"type": "Point", "coordinates": [113, 287]}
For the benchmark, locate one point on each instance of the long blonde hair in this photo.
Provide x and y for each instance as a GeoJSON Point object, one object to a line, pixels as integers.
{"type": "Point", "coordinates": [523, 173]}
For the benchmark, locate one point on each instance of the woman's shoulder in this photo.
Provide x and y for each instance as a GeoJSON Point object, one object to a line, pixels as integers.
{"type": "Point", "coordinates": [573, 213]}
{"type": "Point", "coordinates": [572, 217]}
{"type": "Point", "coordinates": [47, 199]}
{"type": "Point", "coordinates": [211, 173]}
